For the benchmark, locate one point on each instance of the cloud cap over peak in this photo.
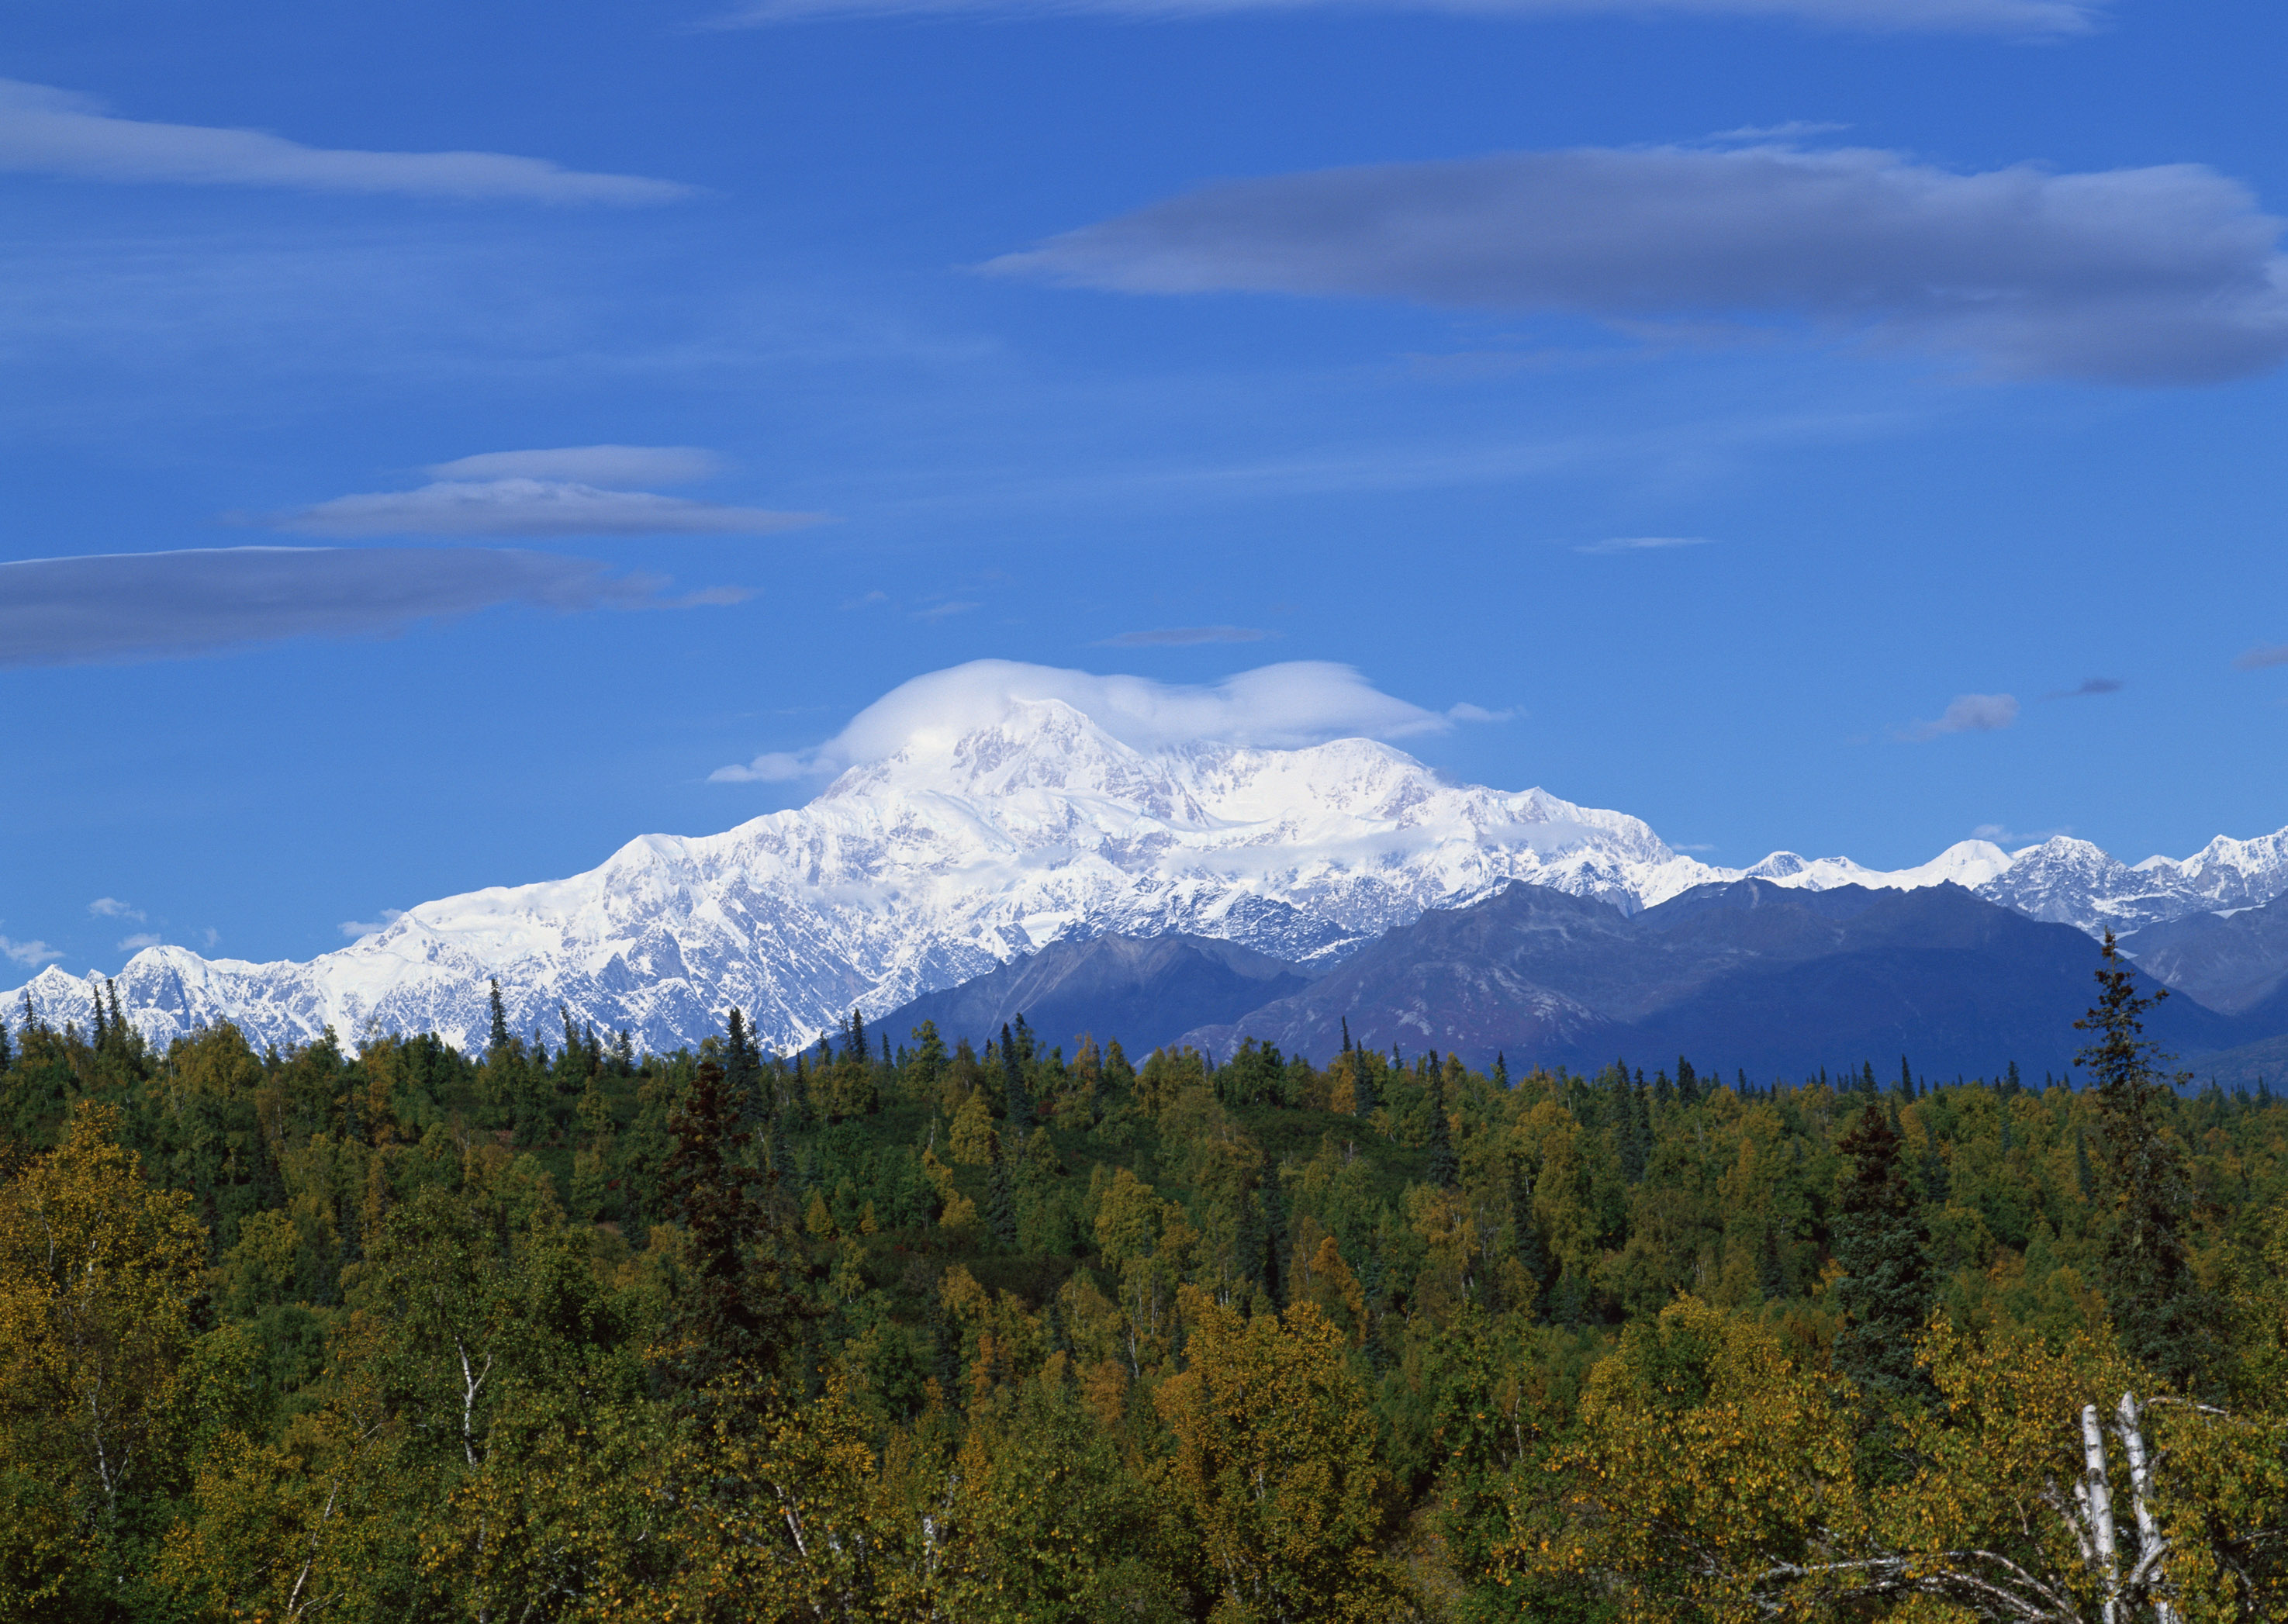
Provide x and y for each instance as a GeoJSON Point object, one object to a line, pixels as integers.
{"type": "Point", "coordinates": [1282, 706]}
{"type": "Point", "coordinates": [2163, 275]}
{"type": "Point", "coordinates": [44, 130]}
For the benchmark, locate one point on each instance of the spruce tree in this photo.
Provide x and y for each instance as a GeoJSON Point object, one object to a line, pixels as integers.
{"type": "Point", "coordinates": [2165, 1319]}
{"type": "Point", "coordinates": [1002, 1206]}
{"type": "Point", "coordinates": [1771, 1269]}
{"type": "Point", "coordinates": [743, 1310]}
{"type": "Point", "coordinates": [1018, 1104]}
{"type": "Point", "coordinates": [496, 1043]}
{"type": "Point", "coordinates": [1444, 1171]}
{"type": "Point", "coordinates": [1500, 1074]}
{"type": "Point", "coordinates": [1886, 1288]}
{"type": "Point", "coordinates": [1276, 1245]}
{"type": "Point", "coordinates": [1364, 1095]}
{"type": "Point", "coordinates": [1936, 1185]}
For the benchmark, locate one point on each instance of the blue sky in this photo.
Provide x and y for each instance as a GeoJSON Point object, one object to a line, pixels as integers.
{"type": "Point", "coordinates": [1947, 333]}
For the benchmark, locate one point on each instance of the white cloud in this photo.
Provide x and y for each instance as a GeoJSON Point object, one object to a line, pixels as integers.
{"type": "Point", "coordinates": [1642, 544]}
{"type": "Point", "coordinates": [30, 954]}
{"type": "Point", "coordinates": [355, 928]}
{"type": "Point", "coordinates": [2003, 834]}
{"type": "Point", "coordinates": [49, 131]}
{"type": "Point", "coordinates": [2003, 17]}
{"type": "Point", "coordinates": [138, 941]}
{"type": "Point", "coordinates": [2257, 659]}
{"type": "Point", "coordinates": [587, 465]}
{"type": "Point", "coordinates": [212, 937]}
{"type": "Point", "coordinates": [1971, 713]}
{"type": "Point", "coordinates": [112, 907]}
{"type": "Point", "coordinates": [1283, 706]}
{"type": "Point", "coordinates": [1467, 712]}
{"type": "Point", "coordinates": [2164, 275]}
{"type": "Point", "coordinates": [946, 611]}
{"type": "Point", "coordinates": [529, 508]}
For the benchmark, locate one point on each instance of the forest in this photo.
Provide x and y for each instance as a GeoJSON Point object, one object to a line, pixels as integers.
{"type": "Point", "coordinates": [1035, 1329]}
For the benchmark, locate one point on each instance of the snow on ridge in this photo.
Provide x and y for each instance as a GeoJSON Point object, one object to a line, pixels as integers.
{"type": "Point", "coordinates": [958, 851]}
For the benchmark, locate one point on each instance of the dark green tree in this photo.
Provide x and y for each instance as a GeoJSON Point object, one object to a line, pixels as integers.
{"type": "Point", "coordinates": [1019, 1106]}
{"type": "Point", "coordinates": [1001, 1212]}
{"type": "Point", "coordinates": [1443, 1170]}
{"type": "Point", "coordinates": [742, 1305]}
{"type": "Point", "coordinates": [2166, 1319]}
{"type": "Point", "coordinates": [496, 1044]}
{"type": "Point", "coordinates": [1886, 1288]}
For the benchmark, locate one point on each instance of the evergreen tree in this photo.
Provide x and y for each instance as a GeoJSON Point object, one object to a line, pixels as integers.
{"type": "Point", "coordinates": [7, 1056]}
{"type": "Point", "coordinates": [1019, 1109]}
{"type": "Point", "coordinates": [1444, 1171]}
{"type": "Point", "coordinates": [1906, 1079]}
{"type": "Point", "coordinates": [1886, 1288]}
{"type": "Point", "coordinates": [1500, 1074]}
{"type": "Point", "coordinates": [2165, 1319]}
{"type": "Point", "coordinates": [496, 1044]}
{"type": "Point", "coordinates": [1771, 1269]}
{"type": "Point", "coordinates": [1364, 1097]}
{"type": "Point", "coordinates": [1688, 1081]}
{"type": "Point", "coordinates": [1632, 1143]}
{"type": "Point", "coordinates": [742, 1071]}
{"type": "Point", "coordinates": [1002, 1213]}
{"type": "Point", "coordinates": [743, 1307]}
{"type": "Point", "coordinates": [1936, 1186]}
{"type": "Point", "coordinates": [1346, 1033]}
{"type": "Point", "coordinates": [1276, 1245]}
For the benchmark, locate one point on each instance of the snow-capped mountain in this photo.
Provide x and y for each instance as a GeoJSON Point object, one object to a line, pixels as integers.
{"type": "Point", "coordinates": [963, 848]}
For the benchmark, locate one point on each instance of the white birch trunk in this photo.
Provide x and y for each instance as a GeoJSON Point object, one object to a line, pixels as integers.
{"type": "Point", "coordinates": [2097, 1497]}
{"type": "Point", "coordinates": [2149, 1544]}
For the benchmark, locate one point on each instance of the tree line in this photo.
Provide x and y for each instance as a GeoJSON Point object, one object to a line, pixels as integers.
{"type": "Point", "coordinates": [1023, 1330]}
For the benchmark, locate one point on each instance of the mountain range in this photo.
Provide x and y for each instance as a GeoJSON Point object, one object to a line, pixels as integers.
{"type": "Point", "coordinates": [971, 846]}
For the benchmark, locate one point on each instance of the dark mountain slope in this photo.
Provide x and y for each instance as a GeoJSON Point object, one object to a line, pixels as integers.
{"type": "Point", "coordinates": [1745, 974]}
{"type": "Point", "coordinates": [1142, 991]}
{"type": "Point", "coordinates": [2235, 965]}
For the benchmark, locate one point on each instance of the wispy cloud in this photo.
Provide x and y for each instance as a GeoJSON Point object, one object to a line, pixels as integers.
{"type": "Point", "coordinates": [946, 610]}
{"type": "Point", "coordinates": [112, 907]}
{"type": "Point", "coordinates": [1277, 705]}
{"type": "Point", "coordinates": [49, 131]}
{"type": "Point", "coordinates": [1467, 712]}
{"type": "Point", "coordinates": [1971, 713]}
{"type": "Point", "coordinates": [528, 508]}
{"type": "Point", "coordinates": [138, 941]}
{"type": "Point", "coordinates": [2003, 834]}
{"type": "Point", "coordinates": [156, 606]}
{"type": "Point", "coordinates": [588, 465]}
{"type": "Point", "coordinates": [1185, 636]}
{"type": "Point", "coordinates": [2089, 687]}
{"type": "Point", "coordinates": [1642, 543]}
{"type": "Point", "coordinates": [2257, 659]}
{"type": "Point", "coordinates": [2021, 18]}
{"type": "Point", "coordinates": [355, 928]}
{"type": "Point", "coordinates": [30, 954]}
{"type": "Point", "coordinates": [2166, 275]}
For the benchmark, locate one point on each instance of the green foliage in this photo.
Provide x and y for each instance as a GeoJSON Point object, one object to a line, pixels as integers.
{"type": "Point", "coordinates": [570, 1331]}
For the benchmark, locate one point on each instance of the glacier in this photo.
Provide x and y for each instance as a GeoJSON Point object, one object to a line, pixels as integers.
{"type": "Point", "coordinates": [963, 848]}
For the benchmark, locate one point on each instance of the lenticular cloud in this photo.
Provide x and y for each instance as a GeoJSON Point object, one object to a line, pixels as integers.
{"type": "Point", "coordinates": [1299, 702]}
{"type": "Point", "coordinates": [2164, 275]}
